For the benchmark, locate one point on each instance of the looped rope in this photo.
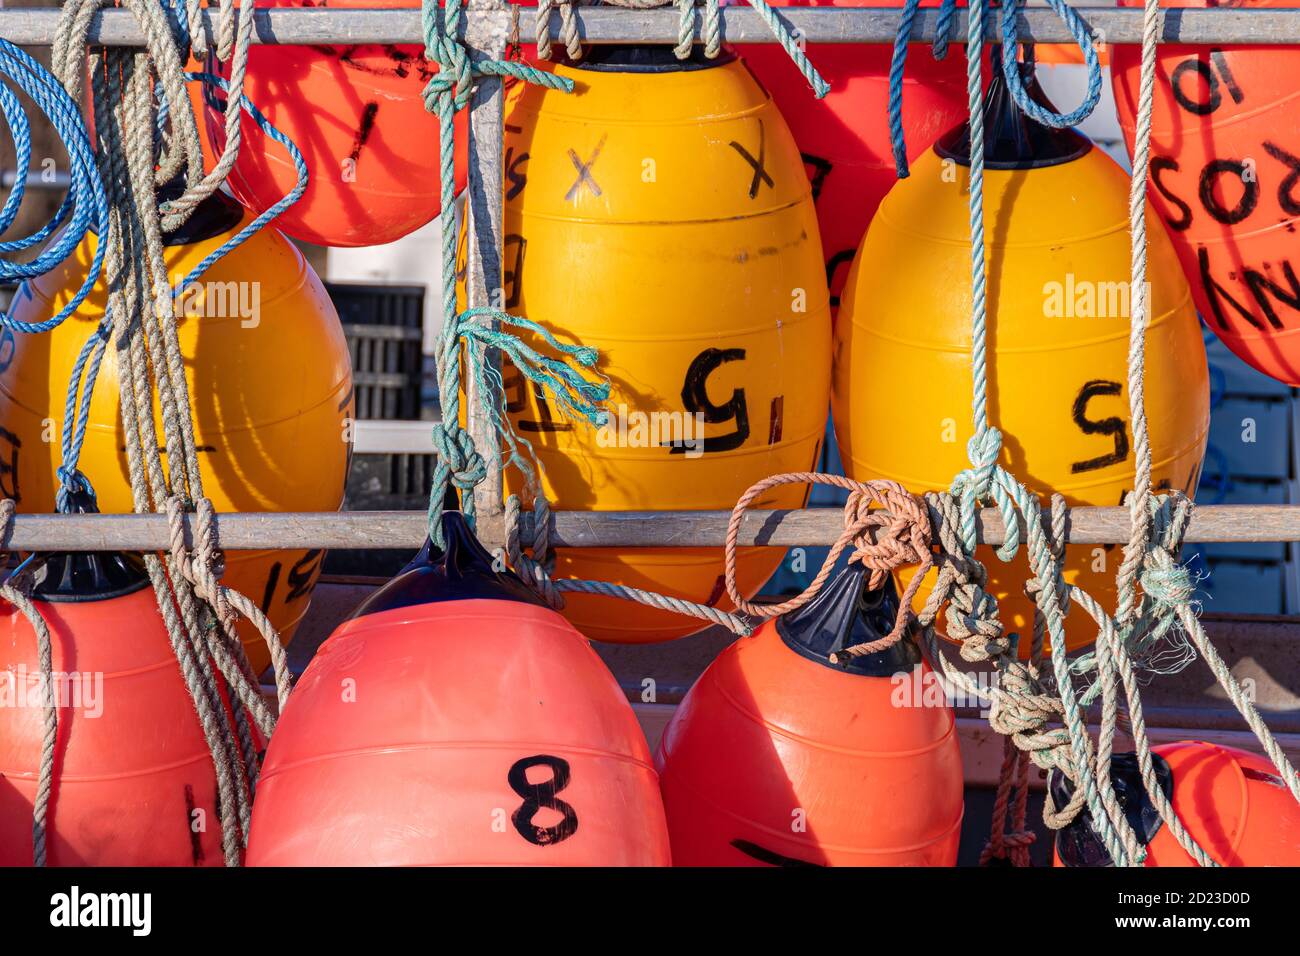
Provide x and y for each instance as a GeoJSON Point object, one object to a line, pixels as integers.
{"type": "Point", "coordinates": [85, 207]}
{"type": "Point", "coordinates": [203, 566]}
{"type": "Point", "coordinates": [129, 87]}
{"type": "Point", "coordinates": [1010, 68]}
{"type": "Point", "coordinates": [535, 570]}
{"type": "Point", "coordinates": [712, 32]}
{"type": "Point", "coordinates": [15, 590]}
{"type": "Point", "coordinates": [568, 29]}
{"type": "Point", "coordinates": [883, 541]}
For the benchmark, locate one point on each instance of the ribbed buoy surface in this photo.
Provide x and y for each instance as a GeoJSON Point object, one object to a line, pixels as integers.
{"type": "Point", "coordinates": [473, 727]}
{"type": "Point", "coordinates": [357, 114]}
{"type": "Point", "coordinates": [1225, 160]}
{"type": "Point", "coordinates": [1232, 803]}
{"type": "Point", "coordinates": [778, 758]}
{"type": "Point", "coordinates": [660, 214]}
{"type": "Point", "coordinates": [1058, 335]}
{"type": "Point", "coordinates": [844, 138]}
{"type": "Point", "coordinates": [269, 379]}
{"type": "Point", "coordinates": [133, 780]}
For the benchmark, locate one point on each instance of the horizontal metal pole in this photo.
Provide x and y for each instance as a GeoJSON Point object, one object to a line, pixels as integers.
{"type": "Point", "coordinates": [594, 529]}
{"type": "Point", "coordinates": [740, 25]}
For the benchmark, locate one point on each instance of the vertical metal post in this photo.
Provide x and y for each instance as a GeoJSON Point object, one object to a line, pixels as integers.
{"type": "Point", "coordinates": [486, 36]}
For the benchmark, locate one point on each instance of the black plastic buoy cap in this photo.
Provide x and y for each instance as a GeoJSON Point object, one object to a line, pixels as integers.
{"type": "Point", "coordinates": [1011, 139]}
{"type": "Point", "coordinates": [1079, 844]}
{"type": "Point", "coordinates": [461, 571]}
{"type": "Point", "coordinates": [70, 577]}
{"type": "Point", "coordinates": [644, 58]}
{"type": "Point", "coordinates": [213, 216]}
{"type": "Point", "coordinates": [846, 612]}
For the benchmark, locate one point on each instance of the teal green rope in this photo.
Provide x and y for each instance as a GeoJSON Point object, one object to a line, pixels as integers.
{"type": "Point", "coordinates": [986, 480]}
{"type": "Point", "coordinates": [459, 463]}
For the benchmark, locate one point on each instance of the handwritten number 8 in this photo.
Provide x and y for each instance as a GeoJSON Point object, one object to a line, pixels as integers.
{"type": "Point", "coordinates": [542, 795]}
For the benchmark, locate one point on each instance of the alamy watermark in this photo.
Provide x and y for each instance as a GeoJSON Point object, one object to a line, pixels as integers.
{"type": "Point", "coordinates": [627, 428]}
{"type": "Point", "coordinates": [1085, 299]}
{"type": "Point", "coordinates": [83, 691]}
{"type": "Point", "coordinates": [920, 687]}
{"type": "Point", "coordinates": [209, 299]}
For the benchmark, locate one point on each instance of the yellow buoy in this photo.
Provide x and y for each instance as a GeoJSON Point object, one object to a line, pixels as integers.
{"type": "Point", "coordinates": [661, 214]}
{"type": "Point", "coordinates": [1056, 225]}
{"type": "Point", "coordinates": [269, 378]}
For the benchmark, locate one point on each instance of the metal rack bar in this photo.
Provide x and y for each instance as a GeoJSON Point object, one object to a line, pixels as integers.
{"type": "Point", "coordinates": [591, 529]}
{"type": "Point", "coordinates": [740, 25]}
{"type": "Point", "coordinates": [486, 31]}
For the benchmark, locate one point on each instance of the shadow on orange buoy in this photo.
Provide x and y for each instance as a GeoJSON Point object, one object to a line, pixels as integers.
{"type": "Point", "coordinates": [778, 757]}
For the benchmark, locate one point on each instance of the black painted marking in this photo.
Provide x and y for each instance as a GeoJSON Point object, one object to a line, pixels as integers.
{"type": "Point", "coordinates": [695, 396]}
{"type": "Point", "coordinates": [196, 839]}
{"type": "Point", "coordinates": [1159, 165]}
{"type": "Point", "coordinates": [821, 168]}
{"type": "Point", "coordinates": [842, 258]}
{"type": "Point", "coordinates": [9, 465]}
{"type": "Point", "coordinates": [770, 857]}
{"type": "Point", "coordinates": [303, 575]}
{"type": "Point", "coordinates": [268, 593]}
{"type": "Point", "coordinates": [512, 273]}
{"type": "Point", "coordinates": [757, 165]}
{"type": "Point", "coordinates": [1207, 73]}
{"type": "Point", "coordinates": [8, 347]}
{"type": "Point", "coordinates": [542, 795]}
{"type": "Point", "coordinates": [518, 179]}
{"type": "Point", "coordinates": [364, 128]}
{"type": "Point", "coordinates": [1249, 195]}
{"type": "Point", "coordinates": [547, 422]}
{"type": "Point", "coordinates": [719, 588]}
{"type": "Point", "coordinates": [1113, 426]}
{"type": "Point", "coordinates": [1261, 287]}
{"type": "Point", "coordinates": [774, 420]}
{"type": "Point", "coordinates": [584, 172]}
{"type": "Point", "coordinates": [1286, 197]}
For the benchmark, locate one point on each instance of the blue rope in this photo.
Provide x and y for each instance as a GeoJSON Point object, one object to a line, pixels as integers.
{"type": "Point", "coordinates": [76, 409]}
{"type": "Point", "coordinates": [85, 207]}
{"type": "Point", "coordinates": [1010, 68]}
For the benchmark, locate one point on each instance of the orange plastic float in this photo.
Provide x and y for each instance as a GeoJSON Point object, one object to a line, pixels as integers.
{"type": "Point", "coordinates": [844, 138]}
{"type": "Point", "coordinates": [456, 721]}
{"type": "Point", "coordinates": [778, 757]}
{"type": "Point", "coordinates": [134, 784]}
{"type": "Point", "coordinates": [357, 115]}
{"type": "Point", "coordinates": [1232, 803]}
{"type": "Point", "coordinates": [1225, 162]}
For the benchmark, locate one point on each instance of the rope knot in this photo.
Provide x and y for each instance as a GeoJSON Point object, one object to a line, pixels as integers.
{"type": "Point", "coordinates": [457, 456]}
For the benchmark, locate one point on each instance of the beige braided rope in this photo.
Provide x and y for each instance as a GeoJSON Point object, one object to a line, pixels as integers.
{"type": "Point", "coordinates": [884, 539]}
{"type": "Point", "coordinates": [15, 595]}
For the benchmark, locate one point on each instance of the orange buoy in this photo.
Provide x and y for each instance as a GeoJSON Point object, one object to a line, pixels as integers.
{"type": "Point", "coordinates": [1225, 162]}
{"type": "Point", "coordinates": [1232, 803]}
{"type": "Point", "coordinates": [454, 720]}
{"type": "Point", "coordinates": [357, 115]}
{"type": "Point", "coordinates": [779, 757]}
{"type": "Point", "coordinates": [844, 138]}
{"type": "Point", "coordinates": [132, 773]}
